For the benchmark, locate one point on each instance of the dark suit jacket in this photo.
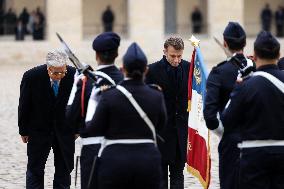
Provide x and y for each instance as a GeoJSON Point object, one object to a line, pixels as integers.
{"type": "Point", "coordinates": [39, 111]}
{"type": "Point", "coordinates": [175, 132]}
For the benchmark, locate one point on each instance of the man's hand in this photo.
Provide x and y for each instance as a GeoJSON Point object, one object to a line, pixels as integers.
{"type": "Point", "coordinates": [76, 136]}
{"type": "Point", "coordinates": [25, 139]}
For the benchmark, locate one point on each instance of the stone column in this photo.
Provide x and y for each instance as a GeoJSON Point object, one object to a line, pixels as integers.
{"type": "Point", "coordinates": [64, 17]}
{"type": "Point", "coordinates": [145, 20]}
{"type": "Point", "coordinates": [221, 12]}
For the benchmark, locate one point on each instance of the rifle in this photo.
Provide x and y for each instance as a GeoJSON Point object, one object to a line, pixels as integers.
{"type": "Point", "coordinates": [227, 52]}
{"type": "Point", "coordinates": [87, 70]}
{"type": "Point", "coordinates": [82, 69]}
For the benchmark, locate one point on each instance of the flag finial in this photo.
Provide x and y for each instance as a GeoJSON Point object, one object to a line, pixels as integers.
{"type": "Point", "coordinates": [194, 41]}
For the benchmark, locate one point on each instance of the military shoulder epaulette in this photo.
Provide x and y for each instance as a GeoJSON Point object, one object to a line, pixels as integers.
{"type": "Point", "coordinates": [221, 63]}
{"type": "Point", "coordinates": [155, 86]}
{"type": "Point", "coordinates": [104, 88]}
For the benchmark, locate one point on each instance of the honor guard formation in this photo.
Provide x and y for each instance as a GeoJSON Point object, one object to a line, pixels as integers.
{"type": "Point", "coordinates": [132, 122]}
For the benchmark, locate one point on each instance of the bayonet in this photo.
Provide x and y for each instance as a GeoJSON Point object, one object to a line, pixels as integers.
{"type": "Point", "coordinates": [84, 69]}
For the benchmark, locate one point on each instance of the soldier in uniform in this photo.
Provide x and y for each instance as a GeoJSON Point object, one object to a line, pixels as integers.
{"type": "Point", "coordinates": [108, 19]}
{"type": "Point", "coordinates": [196, 20]}
{"type": "Point", "coordinates": [44, 93]}
{"type": "Point", "coordinates": [279, 21]}
{"type": "Point", "coordinates": [257, 109]}
{"type": "Point", "coordinates": [130, 158]}
{"type": "Point", "coordinates": [106, 48]}
{"type": "Point", "coordinates": [266, 18]}
{"type": "Point", "coordinates": [220, 83]}
{"type": "Point", "coordinates": [171, 74]}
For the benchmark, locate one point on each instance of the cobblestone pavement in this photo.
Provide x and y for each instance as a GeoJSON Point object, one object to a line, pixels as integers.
{"type": "Point", "coordinates": [13, 157]}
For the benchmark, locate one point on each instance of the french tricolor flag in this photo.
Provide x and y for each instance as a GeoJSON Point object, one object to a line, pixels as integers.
{"type": "Point", "coordinates": [198, 150]}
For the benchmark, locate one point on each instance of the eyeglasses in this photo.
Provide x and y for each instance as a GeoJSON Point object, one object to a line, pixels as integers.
{"type": "Point", "coordinates": [58, 73]}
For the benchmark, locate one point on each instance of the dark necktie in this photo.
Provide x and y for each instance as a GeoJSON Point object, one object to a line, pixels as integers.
{"type": "Point", "coordinates": [55, 87]}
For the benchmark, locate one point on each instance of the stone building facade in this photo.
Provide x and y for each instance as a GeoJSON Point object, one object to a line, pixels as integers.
{"type": "Point", "coordinates": [147, 22]}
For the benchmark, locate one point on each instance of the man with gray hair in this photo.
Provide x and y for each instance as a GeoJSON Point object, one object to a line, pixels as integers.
{"type": "Point", "coordinates": [171, 74]}
{"type": "Point", "coordinates": [44, 93]}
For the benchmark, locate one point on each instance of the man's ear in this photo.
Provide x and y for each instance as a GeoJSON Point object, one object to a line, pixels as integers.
{"type": "Point", "coordinates": [123, 70]}
{"type": "Point", "coordinates": [254, 56]}
{"type": "Point", "coordinates": [225, 44]}
{"type": "Point", "coordinates": [165, 51]}
{"type": "Point", "coordinates": [97, 57]}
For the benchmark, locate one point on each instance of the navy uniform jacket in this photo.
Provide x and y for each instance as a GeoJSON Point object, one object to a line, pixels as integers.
{"type": "Point", "coordinates": [39, 111]}
{"type": "Point", "coordinates": [116, 118]}
{"type": "Point", "coordinates": [220, 84]}
{"type": "Point", "coordinates": [175, 132]}
{"type": "Point", "coordinates": [73, 112]}
{"type": "Point", "coordinates": [257, 107]}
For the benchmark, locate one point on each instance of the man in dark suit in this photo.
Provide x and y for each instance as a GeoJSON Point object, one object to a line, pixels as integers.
{"type": "Point", "coordinates": [44, 93]}
{"type": "Point", "coordinates": [106, 48]}
{"type": "Point", "coordinates": [256, 109]}
{"type": "Point", "coordinates": [171, 74]}
{"type": "Point", "coordinates": [266, 18]}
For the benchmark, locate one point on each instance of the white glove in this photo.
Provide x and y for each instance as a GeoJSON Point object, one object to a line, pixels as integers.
{"type": "Point", "coordinates": [92, 104]}
{"type": "Point", "coordinates": [220, 129]}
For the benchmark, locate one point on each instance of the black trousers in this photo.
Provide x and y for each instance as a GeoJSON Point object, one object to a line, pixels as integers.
{"type": "Point", "coordinates": [88, 153]}
{"type": "Point", "coordinates": [229, 162]}
{"type": "Point", "coordinates": [38, 149]}
{"type": "Point", "coordinates": [262, 167]}
{"type": "Point", "coordinates": [176, 172]}
{"type": "Point", "coordinates": [129, 166]}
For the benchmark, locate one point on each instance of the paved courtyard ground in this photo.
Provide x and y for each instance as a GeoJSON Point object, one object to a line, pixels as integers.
{"type": "Point", "coordinates": [13, 157]}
